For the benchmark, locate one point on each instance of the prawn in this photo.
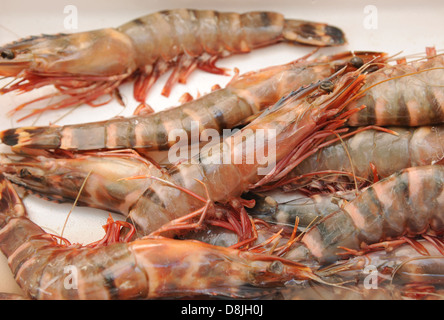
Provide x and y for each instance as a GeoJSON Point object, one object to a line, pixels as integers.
{"type": "Point", "coordinates": [87, 65]}
{"type": "Point", "coordinates": [102, 180]}
{"type": "Point", "coordinates": [143, 269]}
{"type": "Point", "coordinates": [59, 177]}
{"type": "Point", "coordinates": [368, 156]}
{"type": "Point", "coordinates": [406, 203]}
{"type": "Point", "coordinates": [245, 96]}
{"type": "Point", "coordinates": [407, 268]}
{"type": "Point", "coordinates": [407, 94]}
{"type": "Point", "coordinates": [359, 292]}
{"type": "Point", "coordinates": [217, 174]}
{"type": "Point", "coordinates": [323, 183]}
{"type": "Point", "coordinates": [283, 208]}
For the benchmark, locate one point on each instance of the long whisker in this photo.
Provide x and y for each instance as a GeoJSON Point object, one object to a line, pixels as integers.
{"type": "Point", "coordinates": [75, 202]}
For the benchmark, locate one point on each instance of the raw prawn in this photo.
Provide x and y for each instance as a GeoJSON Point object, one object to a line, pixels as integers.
{"type": "Point", "coordinates": [145, 268]}
{"type": "Point", "coordinates": [368, 155]}
{"type": "Point", "coordinates": [245, 96]}
{"type": "Point", "coordinates": [85, 66]}
{"type": "Point", "coordinates": [407, 94]}
{"type": "Point", "coordinates": [100, 176]}
{"type": "Point", "coordinates": [407, 203]}
{"type": "Point", "coordinates": [217, 174]}
{"type": "Point", "coordinates": [407, 268]}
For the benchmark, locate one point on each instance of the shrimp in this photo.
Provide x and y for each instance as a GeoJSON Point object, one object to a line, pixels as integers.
{"type": "Point", "coordinates": [406, 269]}
{"type": "Point", "coordinates": [142, 269]}
{"type": "Point", "coordinates": [408, 94]}
{"type": "Point", "coordinates": [369, 155]}
{"type": "Point", "coordinates": [412, 267]}
{"type": "Point", "coordinates": [85, 66]}
{"type": "Point", "coordinates": [280, 207]}
{"type": "Point", "coordinates": [100, 176]}
{"type": "Point", "coordinates": [244, 97]}
{"type": "Point", "coordinates": [221, 173]}
{"type": "Point", "coordinates": [407, 203]}
{"type": "Point", "coordinates": [99, 180]}
{"type": "Point", "coordinates": [337, 164]}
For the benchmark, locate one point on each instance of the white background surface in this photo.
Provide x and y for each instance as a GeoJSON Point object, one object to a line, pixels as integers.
{"type": "Point", "coordinates": [407, 26]}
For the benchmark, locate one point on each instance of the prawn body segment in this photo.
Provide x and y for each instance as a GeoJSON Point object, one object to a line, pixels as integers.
{"type": "Point", "coordinates": [167, 34]}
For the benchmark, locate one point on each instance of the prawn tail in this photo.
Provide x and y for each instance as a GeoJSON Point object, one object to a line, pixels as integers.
{"type": "Point", "coordinates": [313, 33]}
{"type": "Point", "coordinates": [32, 137]}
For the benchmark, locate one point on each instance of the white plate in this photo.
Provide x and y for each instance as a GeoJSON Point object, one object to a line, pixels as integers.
{"type": "Point", "coordinates": [394, 26]}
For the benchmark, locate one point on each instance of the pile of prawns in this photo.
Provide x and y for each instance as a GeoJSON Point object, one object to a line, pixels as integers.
{"type": "Point", "coordinates": [356, 179]}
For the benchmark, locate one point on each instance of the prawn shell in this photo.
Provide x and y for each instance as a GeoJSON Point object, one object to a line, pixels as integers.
{"type": "Point", "coordinates": [406, 203]}
{"type": "Point", "coordinates": [403, 95]}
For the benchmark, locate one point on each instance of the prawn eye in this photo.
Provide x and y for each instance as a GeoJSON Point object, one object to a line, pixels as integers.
{"type": "Point", "coordinates": [24, 173]}
{"type": "Point", "coordinates": [356, 62]}
{"type": "Point", "coordinates": [276, 267]}
{"type": "Point", "coordinates": [7, 54]}
{"type": "Point", "coordinates": [327, 86]}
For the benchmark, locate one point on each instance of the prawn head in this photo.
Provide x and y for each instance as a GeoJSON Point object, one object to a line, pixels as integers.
{"type": "Point", "coordinates": [82, 65]}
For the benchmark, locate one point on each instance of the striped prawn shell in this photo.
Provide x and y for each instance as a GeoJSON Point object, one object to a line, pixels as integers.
{"type": "Point", "coordinates": [406, 94]}
{"type": "Point", "coordinates": [388, 152]}
{"type": "Point", "coordinates": [408, 203]}
{"type": "Point", "coordinates": [169, 33]}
